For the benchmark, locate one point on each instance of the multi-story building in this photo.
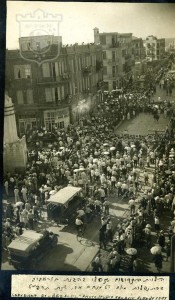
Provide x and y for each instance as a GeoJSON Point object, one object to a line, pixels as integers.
{"type": "Point", "coordinates": [154, 48]}
{"type": "Point", "coordinates": [139, 50]}
{"type": "Point", "coordinates": [170, 45]}
{"type": "Point", "coordinates": [118, 57]}
{"type": "Point", "coordinates": [59, 90]}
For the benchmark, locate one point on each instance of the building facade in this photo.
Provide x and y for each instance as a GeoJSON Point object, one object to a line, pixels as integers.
{"type": "Point", "coordinates": [59, 90]}
{"type": "Point", "coordinates": [154, 48]}
{"type": "Point", "coordinates": [139, 49]}
{"type": "Point", "coordinates": [118, 57]}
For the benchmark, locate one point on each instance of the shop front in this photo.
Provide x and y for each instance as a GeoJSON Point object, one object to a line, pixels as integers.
{"type": "Point", "coordinates": [26, 123]}
{"type": "Point", "coordinates": [59, 118]}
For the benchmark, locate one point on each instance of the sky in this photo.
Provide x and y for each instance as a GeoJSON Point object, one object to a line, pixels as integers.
{"type": "Point", "coordinates": [79, 19]}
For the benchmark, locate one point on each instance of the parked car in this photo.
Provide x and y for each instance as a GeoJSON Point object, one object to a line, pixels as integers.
{"type": "Point", "coordinates": [26, 250]}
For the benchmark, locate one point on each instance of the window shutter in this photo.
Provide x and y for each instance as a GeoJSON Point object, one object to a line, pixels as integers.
{"type": "Point", "coordinates": [62, 92]}
{"type": "Point", "coordinates": [59, 93]}
{"type": "Point", "coordinates": [46, 70]}
{"type": "Point", "coordinates": [29, 96]}
{"type": "Point", "coordinates": [17, 71]}
{"type": "Point", "coordinates": [56, 69]}
{"type": "Point", "coordinates": [53, 94]}
{"type": "Point", "coordinates": [48, 93]}
{"type": "Point", "coordinates": [20, 98]}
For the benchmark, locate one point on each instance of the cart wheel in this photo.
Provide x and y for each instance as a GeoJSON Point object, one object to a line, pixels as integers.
{"type": "Point", "coordinates": [33, 263]}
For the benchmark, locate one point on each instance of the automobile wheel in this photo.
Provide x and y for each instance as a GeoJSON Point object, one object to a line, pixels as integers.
{"type": "Point", "coordinates": [33, 263]}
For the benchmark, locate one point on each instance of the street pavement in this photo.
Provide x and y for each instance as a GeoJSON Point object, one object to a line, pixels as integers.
{"type": "Point", "coordinates": [143, 124]}
{"type": "Point", "coordinates": [160, 92]}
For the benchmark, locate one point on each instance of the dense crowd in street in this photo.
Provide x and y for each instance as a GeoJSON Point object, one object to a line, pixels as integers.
{"type": "Point", "coordinates": [92, 156]}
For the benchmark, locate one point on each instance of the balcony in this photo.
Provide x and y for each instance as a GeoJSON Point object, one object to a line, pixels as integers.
{"type": "Point", "coordinates": [113, 62]}
{"type": "Point", "coordinates": [65, 76]}
{"type": "Point", "coordinates": [86, 70]}
{"type": "Point", "coordinates": [114, 45]}
{"type": "Point", "coordinates": [53, 80]}
{"type": "Point", "coordinates": [127, 56]}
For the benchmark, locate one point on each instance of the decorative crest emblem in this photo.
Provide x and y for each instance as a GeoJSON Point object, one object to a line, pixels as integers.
{"type": "Point", "coordinates": [39, 38]}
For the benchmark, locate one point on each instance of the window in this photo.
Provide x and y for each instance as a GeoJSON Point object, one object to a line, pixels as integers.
{"type": "Point", "coordinates": [27, 70]}
{"type": "Point", "coordinates": [22, 71]}
{"type": "Point", "coordinates": [113, 41]}
{"type": "Point", "coordinates": [103, 39]}
{"type": "Point", "coordinates": [61, 124]}
{"type": "Point", "coordinates": [104, 54]}
{"type": "Point", "coordinates": [65, 66]}
{"type": "Point", "coordinates": [46, 69]}
{"type": "Point", "coordinates": [113, 71]}
{"type": "Point", "coordinates": [59, 93]}
{"type": "Point", "coordinates": [123, 52]}
{"type": "Point", "coordinates": [62, 92]}
{"type": "Point", "coordinates": [49, 119]}
{"type": "Point", "coordinates": [114, 85]}
{"type": "Point", "coordinates": [113, 55]}
{"type": "Point", "coordinates": [29, 96]}
{"type": "Point", "coordinates": [79, 63]}
{"type": "Point", "coordinates": [53, 71]}
{"type": "Point", "coordinates": [56, 69]}
{"type": "Point", "coordinates": [56, 94]}
{"type": "Point", "coordinates": [49, 94]}
{"type": "Point", "coordinates": [20, 98]}
{"type": "Point", "coordinates": [104, 70]}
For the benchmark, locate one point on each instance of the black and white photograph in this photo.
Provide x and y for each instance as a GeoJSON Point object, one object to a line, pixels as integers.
{"type": "Point", "coordinates": [89, 138]}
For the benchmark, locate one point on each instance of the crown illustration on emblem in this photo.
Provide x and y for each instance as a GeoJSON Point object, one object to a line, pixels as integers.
{"type": "Point", "coordinates": [38, 15]}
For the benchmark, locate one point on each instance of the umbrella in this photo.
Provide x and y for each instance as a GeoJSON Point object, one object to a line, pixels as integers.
{"type": "Point", "coordinates": [112, 148]}
{"type": "Point", "coordinates": [155, 250]}
{"type": "Point", "coordinates": [131, 201]}
{"type": "Point", "coordinates": [131, 251]}
{"type": "Point", "coordinates": [106, 153]}
{"type": "Point", "coordinates": [148, 226]}
{"type": "Point", "coordinates": [168, 172]}
{"type": "Point", "coordinates": [19, 203]}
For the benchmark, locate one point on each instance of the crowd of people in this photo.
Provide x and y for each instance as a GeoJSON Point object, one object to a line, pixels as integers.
{"type": "Point", "coordinates": [92, 156]}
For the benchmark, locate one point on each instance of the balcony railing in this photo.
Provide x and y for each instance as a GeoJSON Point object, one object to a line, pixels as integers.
{"type": "Point", "coordinates": [115, 45]}
{"type": "Point", "coordinates": [86, 70]}
{"type": "Point", "coordinates": [113, 62]}
{"type": "Point", "coordinates": [54, 79]}
{"type": "Point", "coordinates": [127, 56]}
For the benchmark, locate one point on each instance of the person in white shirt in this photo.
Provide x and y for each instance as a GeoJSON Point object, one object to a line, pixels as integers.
{"type": "Point", "coordinates": [24, 193]}
{"type": "Point", "coordinates": [79, 224]}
